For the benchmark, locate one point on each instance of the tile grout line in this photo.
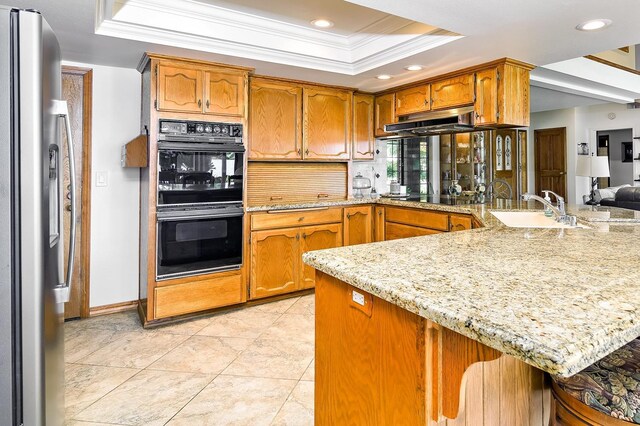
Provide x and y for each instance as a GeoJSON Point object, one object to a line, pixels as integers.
{"type": "Point", "coordinates": [192, 398]}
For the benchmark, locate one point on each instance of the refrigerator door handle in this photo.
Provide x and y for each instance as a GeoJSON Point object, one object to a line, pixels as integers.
{"type": "Point", "coordinates": [63, 291]}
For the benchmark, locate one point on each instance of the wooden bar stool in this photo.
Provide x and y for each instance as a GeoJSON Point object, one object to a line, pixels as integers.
{"type": "Point", "coordinates": [605, 393]}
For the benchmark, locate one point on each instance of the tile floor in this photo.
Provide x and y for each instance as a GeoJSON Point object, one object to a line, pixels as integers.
{"type": "Point", "coordinates": [252, 366]}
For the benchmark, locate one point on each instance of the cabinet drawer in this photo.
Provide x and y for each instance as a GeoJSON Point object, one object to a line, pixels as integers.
{"type": "Point", "coordinates": [198, 296]}
{"type": "Point", "coordinates": [416, 217]}
{"type": "Point", "coordinates": [289, 218]}
{"type": "Point", "coordinates": [396, 231]}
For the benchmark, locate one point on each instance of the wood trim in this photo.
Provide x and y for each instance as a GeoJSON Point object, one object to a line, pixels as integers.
{"type": "Point", "coordinates": [612, 64]}
{"type": "Point", "coordinates": [113, 308]}
{"type": "Point", "coordinates": [458, 73]}
{"type": "Point", "coordinates": [85, 197]}
{"type": "Point", "coordinates": [148, 56]}
{"type": "Point", "coordinates": [304, 82]}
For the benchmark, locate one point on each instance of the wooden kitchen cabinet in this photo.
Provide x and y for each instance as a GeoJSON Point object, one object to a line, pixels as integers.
{"type": "Point", "coordinates": [384, 113]}
{"type": "Point", "coordinates": [363, 137]}
{"type": "Point", "coordinates": [275, 262]}
{"type": "Point", "coordinates": [358, 225]}
{"type": "Point", "coordinates": [275, 120]}
{"type": "Point", "coordinates": [190, 88]}
{"type": "Point", "coordinates": [224, 93]}
{"type": "Point", "coordinates": [486, 105]}
{"type": "Point", "coordinates": [460, 222]}
{"type": "Point", "coordinates": [413, 100]}
{"type": "Point", "coordinates": [453, 92]}
{"type": "Point", "coordinates": [378, 223]}
{"type": "Point", "coordinates": [396, 231]}
{"type": "Point", "coordinates": [326, 131]}
{"type": "Point", "coordinates": [179, 88]}
{"type": "Point", "coordinates": [317, 238]}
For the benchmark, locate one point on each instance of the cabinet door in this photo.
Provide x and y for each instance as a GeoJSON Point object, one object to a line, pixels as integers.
{"type": "Point", "coordinates": [452, 92]}
{"type": "Point", "coordinates": [317, 238]}
{"type": "Point", "coordinates": [378, 225]}
{"type": "Point", "coordinates": [396, 231]}
{"type": "Point", "coordinates": [385, 113]}
{"type": "Point", "coordinates": [224, 93]}
{"type": "Point", "coordinates": [327, 124]}
{"type": "Point", "coordinates": [179, 88]}
{"type": "Point", "coordinates": [459, 222]}
{"type": "Point", "coordinates": [358, 225]}
{"type": "Point", "coordinates": [486, 105]}
{"type": "Point", "coordinates": [412, 100]}
{"type": "Point", "coordinates": [363, 139]}
{"type": "Point", "coordinates": [275, 120]}
{"type": "Point", "coordinates": [275, 262]}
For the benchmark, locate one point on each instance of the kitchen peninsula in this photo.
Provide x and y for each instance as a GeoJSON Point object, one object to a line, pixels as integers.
{"type": "Point", "coordinates": [416, 314]}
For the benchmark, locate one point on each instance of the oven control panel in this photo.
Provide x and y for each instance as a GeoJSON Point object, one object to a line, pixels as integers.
{"type": "Point", "coordinates": [200, 128]}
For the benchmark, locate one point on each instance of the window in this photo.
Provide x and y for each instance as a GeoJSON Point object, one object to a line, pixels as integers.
{"type": "Point", "coordinates": [408, 164]}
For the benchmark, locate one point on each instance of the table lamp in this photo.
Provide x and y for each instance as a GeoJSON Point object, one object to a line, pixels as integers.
{"type": "Point", "coordinates": [594, 167]}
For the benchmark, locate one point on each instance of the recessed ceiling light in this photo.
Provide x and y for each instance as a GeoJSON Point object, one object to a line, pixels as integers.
{"type": "Point", "coordinates": [594, 24]}
{"type": "Point", "coordinates": [413, 68]}
{"type": "Point", "coordinates": [322, 23]}
{"type": "Point", "coordinates": [383, 77]}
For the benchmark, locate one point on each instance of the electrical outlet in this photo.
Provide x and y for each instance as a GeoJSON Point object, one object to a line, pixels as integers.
{"type": "Point", "coordinates": [102, 178]}
{"type": "Point", "coordinates": [358, 298]}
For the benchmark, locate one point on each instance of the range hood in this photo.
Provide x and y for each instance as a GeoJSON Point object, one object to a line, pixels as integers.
{"type": "Point", "coordinates": [435, 123]}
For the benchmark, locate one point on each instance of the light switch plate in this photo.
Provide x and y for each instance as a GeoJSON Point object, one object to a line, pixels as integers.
{"type": "Point", "coordinates": [102, 178]}
{"type": "Point", "coordinates": [358, 298]}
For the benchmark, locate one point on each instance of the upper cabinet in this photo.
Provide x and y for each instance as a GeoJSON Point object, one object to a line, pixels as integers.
{"type": "Point", "coordinates": [326, 133]}
{"type": "Point", "coordinates": [502, 95]}
{"type": "Point", "coordinates": [363, 137]}
{"type": "Point", "coordinates": [453, 92]}
{"type": "Point", "coordinates": [486, 106]}
{"type": "Point", "coordinates": [413, 100]}
{"type": "Point", "coordinates": [385, 113]}
{"type": "Point", "coordinates": [275, 120]}
{"type": "Point", "coordinates": [191, 87]}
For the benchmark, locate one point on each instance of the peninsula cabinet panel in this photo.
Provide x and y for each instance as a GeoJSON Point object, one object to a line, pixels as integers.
{"type": "Point", "coordinates": [224, 93]}
{"type": "Point", "coordinates": [363, 138]}
{"type": "Point", "coordinates": [417, 217]}
{"type": "Point", "coordinates": [385, 113]}
{"type": "Point", "coordinates": [460, 222]}
{"type": "Point", "coordinates": [358, 225]}
{"type": "Point", "coordinates": [396, 231]}
{"type": "Point", "coordinates": [453, 92]}
{"type": "Point", "coordinates": [413, 100]}
{"type": "Point", "coordinates": [275, 120]}
{"type": "Point", "coordinates": [317, 238]}
{"type": "Point", "coordinates": [179, 88]}
{"type": "Point", "coordinates": [327, 123]}
{"type": "Point", "coordinates": [486, 105]}
{"type": "Point", "coordinates": [275, 262]}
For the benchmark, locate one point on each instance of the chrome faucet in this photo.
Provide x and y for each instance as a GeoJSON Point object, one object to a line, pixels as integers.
{"type": "Point", "coordinates": [559, 212]}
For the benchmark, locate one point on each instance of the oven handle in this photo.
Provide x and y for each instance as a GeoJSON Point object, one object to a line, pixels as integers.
{"type": "Point", "coordinates": [200, 147]}
{"type": "Point", "coordinates": [200, 216]}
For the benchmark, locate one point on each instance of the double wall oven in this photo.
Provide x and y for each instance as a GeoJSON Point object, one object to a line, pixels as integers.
{"type": "Point", "coordinates": [199, 201]}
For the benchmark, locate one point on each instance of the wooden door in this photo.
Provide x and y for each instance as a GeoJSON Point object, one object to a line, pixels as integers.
{"type": "Point", "coordinates": [550, 146]}
{"type": "Point", "coordinates": [486, 104]}
{"type": "Point", "coordinates": [179, 88]}
{"type": "Point", "coordinates": [509, 158]}
{"type": "Point", "coordinates": [413, 100]}
{"type": "Point", "coordinates": [224, 93]}
{"type": "Point", "coordinates": [327, 123]}
{"type": "Point", "coordinates": [523, 183]}
{"type": "Point", "coordinates": [275, 262]}
{"type": "Point", "coordinates": [358, 225]}
{"type": "Point", "coordinates": [396, 231]}
{"type": "Point", "coordinates": [317, 238]}
{"type": "Point", "coordinates": [275, 120]}
{"type": "Point", "coordinates": [453, 92]}
{"type": "Point", "coordinates": [378, 226]}
{"type": "Point", "coordinates": [77, 90]}
{"type": "Point", "coordinates": [363, 138]}
{"type": "Point", "coordinates": [385, 113]}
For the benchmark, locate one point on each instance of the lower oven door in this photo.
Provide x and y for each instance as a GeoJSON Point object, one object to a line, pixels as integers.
{"type": "Point", "coordinates": [198, 243]}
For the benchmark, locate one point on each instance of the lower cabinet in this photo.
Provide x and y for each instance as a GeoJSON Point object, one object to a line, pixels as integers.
{"type": "Point", "coordinates": [358, 225]}
{"type": "Point", "coordinates": [460, 222]}
{"type": "Point", "coordinates": [276, 257]}
{"type": "Point", "coordinates": [396, 231]}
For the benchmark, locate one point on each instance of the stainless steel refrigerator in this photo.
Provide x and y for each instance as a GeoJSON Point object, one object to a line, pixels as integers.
{"type": "Point", "coordinates": [33, 287]}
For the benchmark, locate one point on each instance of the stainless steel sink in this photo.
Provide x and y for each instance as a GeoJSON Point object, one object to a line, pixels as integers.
{"type": "Point", "coordinates": [530, 219]}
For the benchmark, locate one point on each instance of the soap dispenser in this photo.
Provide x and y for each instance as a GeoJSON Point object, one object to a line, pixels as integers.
{"type": "Point", "coordinates": [547, 210]}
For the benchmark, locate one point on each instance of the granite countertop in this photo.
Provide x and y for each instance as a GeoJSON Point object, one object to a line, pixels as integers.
{"type": "Point", "coordinates": [558, 299]}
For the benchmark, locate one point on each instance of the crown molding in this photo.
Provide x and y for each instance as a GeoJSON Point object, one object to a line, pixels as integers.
{"type": "Point", "coordinates": [226, 32]}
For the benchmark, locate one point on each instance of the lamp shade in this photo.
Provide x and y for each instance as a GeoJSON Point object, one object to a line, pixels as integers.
{"type": "Point", "coordinates": [592, 166]}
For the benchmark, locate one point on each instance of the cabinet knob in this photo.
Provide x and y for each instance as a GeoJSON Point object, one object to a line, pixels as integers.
{"type": "Point", "coordinates": [199, 103]}
{"type": "Point", "coordinates": [207, 103]}
{"type": "Point", "coordinates": [379, 212]}
{"type": "Point", "coordinates": [323, 195]}
{"type": "Point", "coordinates": [477, 116]}
{"type": "Point", "coordinates": [348, 215]}
{"type": "Point", "coordinates": [426, 102]}
{"type": "Point", "coordinates": [299, 151]}
{"type": "Point", "coordinates": [304, 236]}
{"type": "Point", "coordinates": [297, 236]}
{"type": "Point", "coordinates": [306, 152]}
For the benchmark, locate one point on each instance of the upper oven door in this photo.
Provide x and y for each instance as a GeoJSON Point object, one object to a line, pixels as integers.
{"type": "Point", "coordinates": [199, 173]}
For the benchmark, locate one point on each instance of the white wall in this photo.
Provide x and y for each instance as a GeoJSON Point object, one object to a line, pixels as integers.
{"type": "Point", "coordinates": [114, 208]}
{"type": "Point", "coordinates": [582, 123]}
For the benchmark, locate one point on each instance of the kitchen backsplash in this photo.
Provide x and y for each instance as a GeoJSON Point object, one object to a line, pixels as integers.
{"type": "Point", "coordinates": [378, 165]}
